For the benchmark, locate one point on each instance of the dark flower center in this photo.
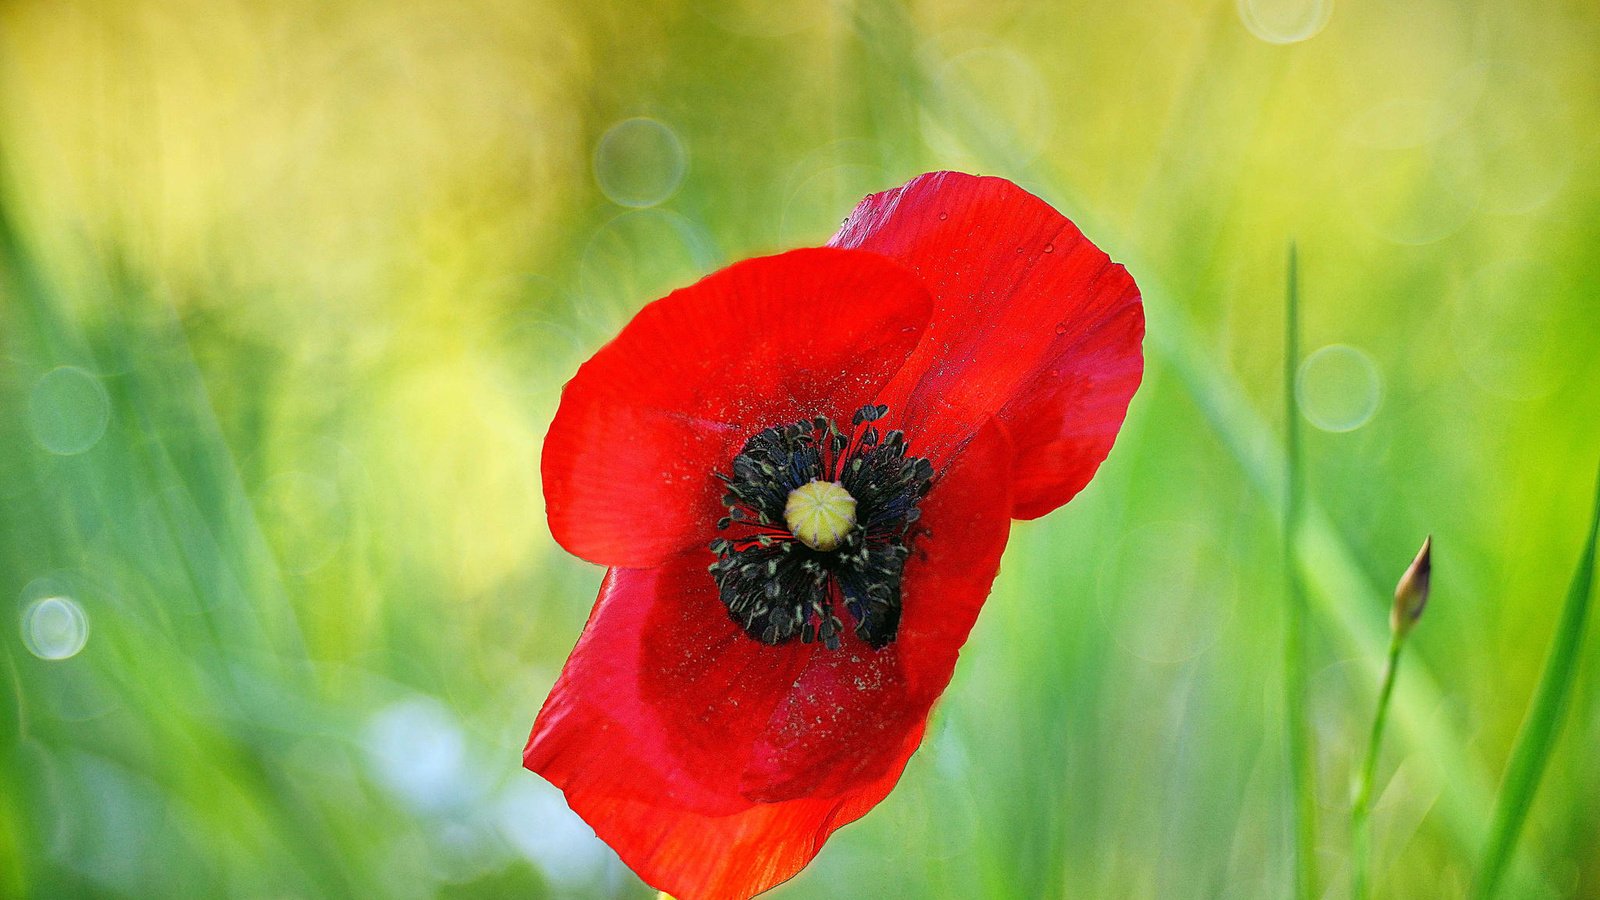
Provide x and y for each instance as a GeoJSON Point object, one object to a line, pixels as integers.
{"type": "Point", "coordinates": [819, 517]}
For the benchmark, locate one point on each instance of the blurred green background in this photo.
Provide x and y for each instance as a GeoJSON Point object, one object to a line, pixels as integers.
{"type": "Point", "coordinates": [288, 291]}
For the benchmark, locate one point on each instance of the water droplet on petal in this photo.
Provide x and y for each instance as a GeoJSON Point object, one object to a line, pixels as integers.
{"type": "Point", "coordinates": [1049, 248]}
{"type": "Point", "coordinates": [1061, 328]}
{"type": "Point", "coordinates": [943, 216]}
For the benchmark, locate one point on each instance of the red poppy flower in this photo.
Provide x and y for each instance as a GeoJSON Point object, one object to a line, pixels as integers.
{"type": "Point", "coordinates": [802, 472]}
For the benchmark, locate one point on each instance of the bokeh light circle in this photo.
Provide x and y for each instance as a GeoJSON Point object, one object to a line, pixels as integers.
{"type": "Point", "coordinates": [68, 411]}
{"type": "Point", "coordinates": [417, 749]}
{"type": "Point", "coordinates": [1339, 388]}
{"type": "Point", "coordinates": [55, 628]}
{"type": "Point", "coordinates": [639, 162]}
{"type": "Point", "coordinates": [534, 819]}
{"type": "Point", "coordinates": [1285, 21]}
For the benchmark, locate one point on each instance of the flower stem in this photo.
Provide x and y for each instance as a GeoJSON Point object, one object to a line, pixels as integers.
{"type": "Point", "coordinates": [1294, 644]}
{"type": "Point", "coordinates": [1543, 723]}
{"type": "Point", "coordinates": [1360, 834]}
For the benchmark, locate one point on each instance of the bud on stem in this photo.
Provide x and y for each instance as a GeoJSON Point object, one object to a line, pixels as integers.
{"type": "Point", "coordinates": [1411, 594]}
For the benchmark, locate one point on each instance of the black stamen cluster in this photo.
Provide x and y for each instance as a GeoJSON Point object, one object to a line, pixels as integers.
{"type": "Point", "coordinates": [778, 588]}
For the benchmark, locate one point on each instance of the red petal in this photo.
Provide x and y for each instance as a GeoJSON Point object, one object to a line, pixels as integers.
{"type": "Point", "coordinates": [643, 424]}
{"type": "Point", "coordinates": [717, 766]}
{"type": "Point", "coordinates": [1030, 319]}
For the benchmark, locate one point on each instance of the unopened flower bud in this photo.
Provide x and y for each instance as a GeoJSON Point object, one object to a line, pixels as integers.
{"type": "Point", "coordinates": [1411, 594]}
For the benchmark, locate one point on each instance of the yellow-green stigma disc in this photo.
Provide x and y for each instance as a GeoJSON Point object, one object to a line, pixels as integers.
{"type": "Point", "coordinates": [820, 513]}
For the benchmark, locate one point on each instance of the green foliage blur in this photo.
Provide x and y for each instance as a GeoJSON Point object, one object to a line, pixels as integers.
{"type": "Point", "coordinates": [288, 291]}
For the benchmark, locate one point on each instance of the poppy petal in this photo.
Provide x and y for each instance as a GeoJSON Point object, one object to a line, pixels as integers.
{"type": "Point", "coordinates": [628, 461]}
{"type": "Point", "coordinates": [1030, 319]}
{"type": "Point", "coordinates": [717, 766]}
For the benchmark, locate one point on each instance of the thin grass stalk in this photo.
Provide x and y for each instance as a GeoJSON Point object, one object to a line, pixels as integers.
{"type": "Point", "coordinates": [1360, 832]}
{"type": "Point", "coordinates": [1247, 436]}
{"type": "Point", "coordinates": [1294, 643]}
{"type": "Point", "coordinates": [1245, 433]}
{"type": "Point", "coordinates": [1410, 600]}
{"type": "Point", "coordinates": [1542, 725]}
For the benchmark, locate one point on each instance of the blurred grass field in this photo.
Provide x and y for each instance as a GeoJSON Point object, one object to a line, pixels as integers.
{"type": "Point", "coordinates": [288, 292]}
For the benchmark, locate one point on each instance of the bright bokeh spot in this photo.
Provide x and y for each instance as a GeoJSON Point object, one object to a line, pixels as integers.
{"type": "Point", "coordinates": [417, 750]}
{"type": "Point", "coordinates": [68, 410]}
{"type": "Point", "coordinates": [534, 819]}
{"type": "Point", "coordinates": [640, 162]}
{"type": "Point", "coordinates": [55, 628]}
{"type": "Point", "coordinates": [1339, 388]}
{"type": "Point", "coordinates": [1285, 21]}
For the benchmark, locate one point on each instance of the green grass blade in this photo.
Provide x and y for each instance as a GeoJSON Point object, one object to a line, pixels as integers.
{"type": "Point", "coordinates": [1328, 563]}
{"type": "Point", "coordinates": [1543, 723]}
{"type": "Point", "coordinates": [1333, 574]}
{"type": "Point", "coordinates": [1330, 569]}
{"type": "Point", "coordinates": [1294, 638]}
{"type": "Point", "coordinates": [1360, 834]}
